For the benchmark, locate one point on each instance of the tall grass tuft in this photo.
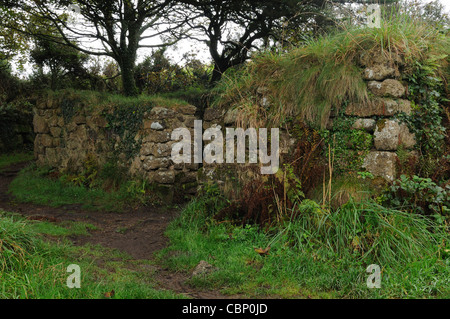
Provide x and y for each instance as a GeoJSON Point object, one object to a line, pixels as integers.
{"type": "Point", "coordinates": [365, 231]}
{"type": "Point", "coordinates": [16, 242]}
{"type": "Point", "coordinates": [325, 72]}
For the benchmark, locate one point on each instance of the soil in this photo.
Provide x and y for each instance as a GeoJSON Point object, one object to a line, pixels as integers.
{"type": "Point", "coordinates": [137, 232]}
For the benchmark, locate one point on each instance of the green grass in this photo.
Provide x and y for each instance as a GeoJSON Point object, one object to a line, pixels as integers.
{"type": "Point", "coordinates": [316, 255]}
{"type": "Point", "coordinates": [33, 186]}
{"type": "Point", "coordinates": [101, 100]}
{"type": "Point", "coordinates": [62, 229]}
{"type": "Point", "coordinates": [31, 267]}
{"type": "Point", "coordinates": [14, 158]}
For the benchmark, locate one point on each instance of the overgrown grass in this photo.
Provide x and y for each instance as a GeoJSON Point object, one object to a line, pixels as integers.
{"type": "Point", "coordinates": [101, 100]}
{"type": "Point", "coordinates": [32, 185]}
{"type": "Point", "coordinates": [33, 268]}
{"type": "Point", "coordinates": [324, 73]}
{"type": "Point", "coordinates": [318, 254]}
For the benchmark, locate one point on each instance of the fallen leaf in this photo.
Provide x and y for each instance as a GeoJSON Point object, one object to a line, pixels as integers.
{"type": "Point", "coordinates": [109, 294]}
{"type": "Point", "coordinates": [262, 252]}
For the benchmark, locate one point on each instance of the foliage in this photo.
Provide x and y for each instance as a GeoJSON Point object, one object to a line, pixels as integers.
{"type": "Point", "coordinates": [427, 92]}
{"type": "Point", "coordinates": [366, 230]}
{"type": "Point", "coordinates": [350, 146]}
{"type": "Point", "coordinates": [254, 24]}
{"type": "Point", "coordinates": [125, 121]}
{"type": "Point", "coordinates": [120, 44]}
{"type": "Point", "coordinates": [15, 244]}
{"type": "Point", "coordinates": [14, 158]}
{"type": "Point", "coordinates": [63, 61]}
{"type": "Point", "coordinates": [44, 187]}
{"type": "Point", "coordinates": [420, 194]}
{"type": "Point", "coordinates": [156, 74]}
{"type": "Point", "coordinates": [88, 175]}
{"type": "Point", "coordinates": [266, 200]}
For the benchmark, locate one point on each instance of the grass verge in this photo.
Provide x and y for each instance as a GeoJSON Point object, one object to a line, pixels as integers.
{"type": "Point", "coordinates": [31, 267]}
{"type": "Point", "coordinates": [316, 255]}
{"type": "Point", "coordinates": [32, 185]}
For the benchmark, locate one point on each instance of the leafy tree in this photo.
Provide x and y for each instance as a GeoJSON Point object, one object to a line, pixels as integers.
{"type": "Point", "coordinates": [157, 74]}
{"type": "Point", "coordinates": [232, 29]}
{"type": "Point", "coordinates": [121, 26]}
{"type": "Point", "coordinates": [61, 60]}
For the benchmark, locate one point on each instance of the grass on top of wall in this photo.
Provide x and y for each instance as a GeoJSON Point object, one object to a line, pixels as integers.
{"type": "Point", "coordinates": [102, 99]}
{"type": "Point", "coordinates": [325, 72]}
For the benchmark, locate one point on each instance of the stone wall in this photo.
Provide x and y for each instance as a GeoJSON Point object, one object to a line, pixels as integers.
{"type": "Point", "coordinates": [379, 116]}
{"type": "Point", "coordinates": [67, 142]}
{"type": "Point", "coordinates": [231, 177]}
{"type": "Point", "coordinates": [67, 137]}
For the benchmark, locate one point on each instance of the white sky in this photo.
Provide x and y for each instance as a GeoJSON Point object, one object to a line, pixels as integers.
{"type": "Point", "coordinates": [446, 3]}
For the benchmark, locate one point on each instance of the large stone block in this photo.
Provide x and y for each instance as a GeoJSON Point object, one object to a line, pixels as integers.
{"type": "Point", "coordinates": [389, 134]}
{"type": "Point", "coordinates": [162, 176]}
{"type": "Point", "coordinates": [380, 72]}
{"type": "Point", "coordinates": [364, 124]}
{"type": "Point", "coordinates": [152, 163]}
{"type": "Point", "coordinates": [156, 125]}
{"type": "Point", "coordinates": [45, 140]}
{"type": "Point", "coordinates": [231, 117]}
{"type": "Point", "coordinates": [157, 137]}
{"type": "Point", "coordinates": [147, 149]}
{"type": "Point", "coordinates": [369, 59]}
{"type": "Point", "coordinates": [379, 107]}
{"type": "Point", "coordinates": [387, 88]}
{"type": "Point", "coordinates": [381, 164]}
{"type": "Point", "coordinates": [161, 113]}
{"type": "Point", "coordinates": [40, 125]}
{"type": "Point", "coordinates": [55, 131]}
{"type": "Point", "coordinates": [189, 121]}
{"type": "Point", "coordinates": [212, 114]}
{"type": "Point", "coordinates": [162, 150]}
{"type": "Point", "coordinates": [187, 109]}
{"type": "Point", "coordinates": [52, 157]}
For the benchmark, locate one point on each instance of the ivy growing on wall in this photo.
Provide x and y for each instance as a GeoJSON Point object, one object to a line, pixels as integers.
{"type": "Point", "coordinates": [426, 92]}
{"type": "Point", "coordinates": [350, 146]}
{"type": "Point", "coordinates": [124, 122]}
{"type": "Point", "coordinates": [68, 108]}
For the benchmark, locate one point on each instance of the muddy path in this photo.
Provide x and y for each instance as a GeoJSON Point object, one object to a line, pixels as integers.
{"type": "Point", "coordinates": [139, 233]}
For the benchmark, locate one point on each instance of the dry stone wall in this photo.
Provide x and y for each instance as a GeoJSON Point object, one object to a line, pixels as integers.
{"type": "Point", "coordinates": [379, 116]}
{"type": "Point", "coordinates": [66, 137]}
{"type": "Point", "coordinates": [67, 142]}
{"type": "Point", "coordinates": [231, 177]}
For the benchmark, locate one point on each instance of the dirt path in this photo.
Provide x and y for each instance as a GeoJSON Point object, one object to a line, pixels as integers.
{"type": "Point", "coordinates": [139, 233]}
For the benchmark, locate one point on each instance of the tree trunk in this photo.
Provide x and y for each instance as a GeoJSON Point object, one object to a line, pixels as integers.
{"type": "Point", "coordinates": [219, 68]}
{"type": "Point", "coordinates": [127, 70]}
